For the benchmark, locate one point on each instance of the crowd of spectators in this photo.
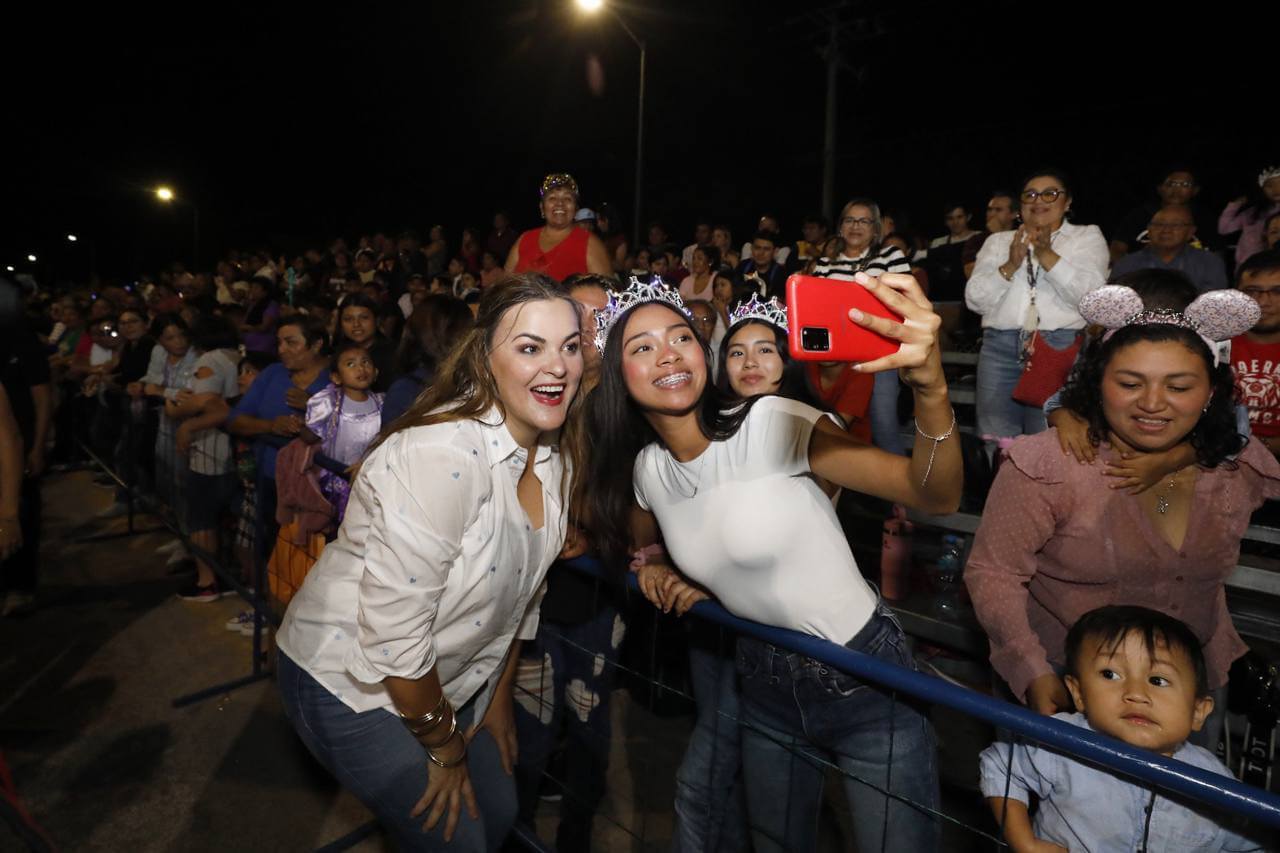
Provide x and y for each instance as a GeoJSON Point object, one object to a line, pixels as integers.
{"type": "Point", "coordinates": [210, 391]}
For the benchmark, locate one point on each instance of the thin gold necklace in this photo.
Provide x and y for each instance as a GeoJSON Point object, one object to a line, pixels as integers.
{"type": "Point", "coordinates": [1162, 500]}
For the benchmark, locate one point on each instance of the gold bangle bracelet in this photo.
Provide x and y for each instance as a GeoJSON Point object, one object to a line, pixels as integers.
{"type": "Point", "coordinates": [428, 720]}
{"type": "Point", "coordinates": [448, 764]}
{"type": "Point", "coordinates": [453, 729]}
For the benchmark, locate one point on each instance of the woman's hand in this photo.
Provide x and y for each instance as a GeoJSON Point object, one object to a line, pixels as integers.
{"type": "Point", "coordinates": [679, 595]}
{"type": "Point", "coordinates": [1041, 242]}
{"type": "Point", "coordinates": [1073, 435]}
{"type": "Point", "coordinates": [1019, 247]}
{"type": "Point", "coordinates": [918, 359]}
{"type": "Point", "coordinates": [654, 579]}
{"type": "Point", "coordinates": [448, 789]}
{"type": "Point", "coordinates": [500, 722]}
{"type": "Point", "coordinates": [1137, 472]}
{"type": "Point", "coordinates": [1048, 695]}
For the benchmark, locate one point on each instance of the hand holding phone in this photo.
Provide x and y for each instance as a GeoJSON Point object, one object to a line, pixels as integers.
{"type": "Point", "coordinates": [821, 329]}
{"type": "Point", "coordinates": [897, 321]}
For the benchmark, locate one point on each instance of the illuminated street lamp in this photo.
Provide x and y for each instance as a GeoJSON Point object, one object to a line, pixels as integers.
{"type": "Point", "coordinates": [167, 195]}
{"type": "Point", "coordinates": [71, 238]}
{"type": "Point", "coordinates": [31, 258]}
{"type": "Point", "coordinates": [9, 267]}
{"type": "Point", "coordinates": [590, 7]}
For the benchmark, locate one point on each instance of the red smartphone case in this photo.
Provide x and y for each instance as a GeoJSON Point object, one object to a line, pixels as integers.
{"type": "Point", "coordinates": [819, 324]}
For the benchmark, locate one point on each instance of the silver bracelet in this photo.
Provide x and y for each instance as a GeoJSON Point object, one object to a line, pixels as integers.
{"type": "Point", "coordinates": [935, 439]}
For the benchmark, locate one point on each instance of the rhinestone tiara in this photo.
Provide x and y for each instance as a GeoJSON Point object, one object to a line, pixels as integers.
{"type": "Point", "coordinates": [753, 309]}
{"type": "Point", "coordinates": [637, 293]}
{"type": "Point", "coordinates": [1267, 174]}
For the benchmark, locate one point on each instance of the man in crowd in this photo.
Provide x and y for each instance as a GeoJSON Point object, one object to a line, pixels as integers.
{"type": "Point", "coordinates": [502, 237]}
{"type": "Point", "coordinates": [957, 217]}
{"type": "Point", "coordinates": [1177, 188]}
{"type": "Point", "coordinates": [1002, 215]}
{"type": "Point", "coordinates": [1255, 355]}
{"type": "Point", "coordinates": [762, 272]}
{"type": "Point", "coordinates": [814, 230]}
{"type": "Point", "coordinates": [769, 223]}
{"type": "Point", "coordinates": [1170, 233]}
{"type": "Point", "coordinates": [701, 237]}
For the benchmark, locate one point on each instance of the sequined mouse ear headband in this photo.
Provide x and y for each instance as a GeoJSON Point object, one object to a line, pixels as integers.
{"type": "Point", "coordinates": [637, 293]}
{"type": "Point", "coordinates": [1216, 316]}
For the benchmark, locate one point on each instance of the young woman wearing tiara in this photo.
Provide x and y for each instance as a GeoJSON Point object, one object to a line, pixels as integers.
{"type": "Point", "coordinates": [728, 483]}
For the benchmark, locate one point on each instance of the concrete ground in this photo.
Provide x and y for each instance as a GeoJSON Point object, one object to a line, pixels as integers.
{"type": "Point", "coordinates": [103, 761]}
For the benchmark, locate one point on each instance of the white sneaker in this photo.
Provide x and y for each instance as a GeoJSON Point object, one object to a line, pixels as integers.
{"type": "Point", "coordinates": [244, 617]}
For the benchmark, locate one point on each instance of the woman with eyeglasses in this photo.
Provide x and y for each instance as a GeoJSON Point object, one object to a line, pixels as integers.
{"type": "Point", "coordinates": [1027, 281]}
{"type": "Point", "coordinates": [861, 248]}
{"type": "Point", "coordinates": [558, 249]}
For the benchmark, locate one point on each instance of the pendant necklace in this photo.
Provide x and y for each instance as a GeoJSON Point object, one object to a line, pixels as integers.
{"type": "Point", "coordinates": [1162, 500]}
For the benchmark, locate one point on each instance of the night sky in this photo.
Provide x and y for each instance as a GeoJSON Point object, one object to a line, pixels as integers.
{"type": "Point", "coordinates": [287, 127]}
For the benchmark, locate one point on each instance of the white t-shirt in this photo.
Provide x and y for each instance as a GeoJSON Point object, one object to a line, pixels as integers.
{"type": "Point", "coordinates": [748, 521]}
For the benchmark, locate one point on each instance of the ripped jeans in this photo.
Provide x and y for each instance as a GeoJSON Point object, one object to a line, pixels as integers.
{"type": "Point", "coordinates": [564, 677]}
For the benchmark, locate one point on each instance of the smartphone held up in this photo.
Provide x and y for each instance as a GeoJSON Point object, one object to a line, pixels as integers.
{"type": "Point", "coordinates": [820, 328]}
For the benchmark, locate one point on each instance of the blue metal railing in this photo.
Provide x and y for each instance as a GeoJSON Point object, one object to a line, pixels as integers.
{"type": "Point", "coordinates": [1149, 768]}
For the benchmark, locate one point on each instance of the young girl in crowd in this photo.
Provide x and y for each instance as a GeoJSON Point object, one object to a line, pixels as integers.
{"type": "Point", "coordinates": [358, 324]}
{"type": "Point", "coordinates": [397, 655]}
{"type": "Point", "coordinates": [669, 451]}
{"type": "Point", "coordinates": [345, 418]}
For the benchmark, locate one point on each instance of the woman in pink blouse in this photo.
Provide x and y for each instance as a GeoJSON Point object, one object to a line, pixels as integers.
{"type": "Point", "coordinates": [1059, 538]}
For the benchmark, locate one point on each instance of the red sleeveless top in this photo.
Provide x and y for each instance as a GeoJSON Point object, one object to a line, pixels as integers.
{"type": "Point", "coordinates": [562, 261]}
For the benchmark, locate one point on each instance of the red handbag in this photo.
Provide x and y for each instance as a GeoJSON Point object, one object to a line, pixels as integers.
{"type": "Point", "coordinates": [1045, 371]}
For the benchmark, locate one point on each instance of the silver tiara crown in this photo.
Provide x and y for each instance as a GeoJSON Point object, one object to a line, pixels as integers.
{"type": "Point", "coordinates": [753, 309]}
{"type": "Point", "coordinates": [1267, 174]}
{"type": "Point", "coordinates": [637, 293]}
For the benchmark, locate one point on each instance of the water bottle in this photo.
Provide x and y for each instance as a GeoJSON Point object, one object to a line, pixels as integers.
{"type": "Point", "coordinates": [947, 572]}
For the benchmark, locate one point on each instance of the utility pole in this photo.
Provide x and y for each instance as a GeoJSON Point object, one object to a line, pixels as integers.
{"type": "Point", "coordinates": [829, 132]}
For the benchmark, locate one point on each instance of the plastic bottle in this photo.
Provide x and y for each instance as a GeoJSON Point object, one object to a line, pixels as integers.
{"type": "Point", "coordinates": [947, 572]}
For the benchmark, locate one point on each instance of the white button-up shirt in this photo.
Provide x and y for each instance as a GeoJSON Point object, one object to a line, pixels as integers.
{"type": "Point", "coordinates": [436, 565]}
{"type": "Point", "coordinates": [1083, 258]}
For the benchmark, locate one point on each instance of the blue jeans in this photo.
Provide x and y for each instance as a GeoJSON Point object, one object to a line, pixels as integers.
{"type": "Point", "coordinates": [374, 757]}
{"type": "Point", "coordinates": [999, 369]}
{"type": "Point", "coordinates": [565, 676]}
{"type": "Point", "coordinates": [709, 797]}
{"type": "Point", "coordinates": [798, 712]}
{"type": "Point", "coordinates": [886, 431]}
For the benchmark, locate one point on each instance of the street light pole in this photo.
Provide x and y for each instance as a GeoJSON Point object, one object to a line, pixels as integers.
{"type": "Point", "coordinates": [637, 211]}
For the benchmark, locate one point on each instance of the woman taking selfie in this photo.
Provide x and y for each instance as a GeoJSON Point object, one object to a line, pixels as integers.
{"type": "Point", "coordinates": [1058, 538]}
{"type": "Point", "coordinates": [397, 654]}
{"type": "Point", "coordinates": [669, 451]}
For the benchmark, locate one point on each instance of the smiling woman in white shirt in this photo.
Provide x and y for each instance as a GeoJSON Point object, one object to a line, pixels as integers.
{"type": "Point", "coordinates": [1028, 280]}
{"type": "Point", "coordinates": [397, 654]}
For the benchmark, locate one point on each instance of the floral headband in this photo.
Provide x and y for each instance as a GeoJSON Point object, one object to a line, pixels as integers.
{"type": "Point", "coordinates": [1216, 316]}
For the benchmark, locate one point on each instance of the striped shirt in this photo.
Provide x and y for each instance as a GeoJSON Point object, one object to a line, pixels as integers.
{"type": "Point", "coordinates": [874, 264]}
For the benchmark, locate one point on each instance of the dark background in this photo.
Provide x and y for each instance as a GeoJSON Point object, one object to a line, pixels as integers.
{"type": "Point", "coordinates": [287, 126]}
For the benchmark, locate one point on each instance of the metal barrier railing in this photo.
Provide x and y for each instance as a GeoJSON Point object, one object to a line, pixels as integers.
{"type": "Point", "coordinates": [1148, 769]}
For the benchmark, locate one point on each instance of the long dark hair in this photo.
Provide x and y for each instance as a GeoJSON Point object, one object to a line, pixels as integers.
{"type": "Point", "coordinates": [464, 387]}
{"type": "Point", "coordinates": [1214, 437]}
{"type": "Point", "coordinates": [794, 384]}
{"type": "Point", "coordinates": [435, 326]}
{"type": "Point", "coordinates": [617, 431]}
